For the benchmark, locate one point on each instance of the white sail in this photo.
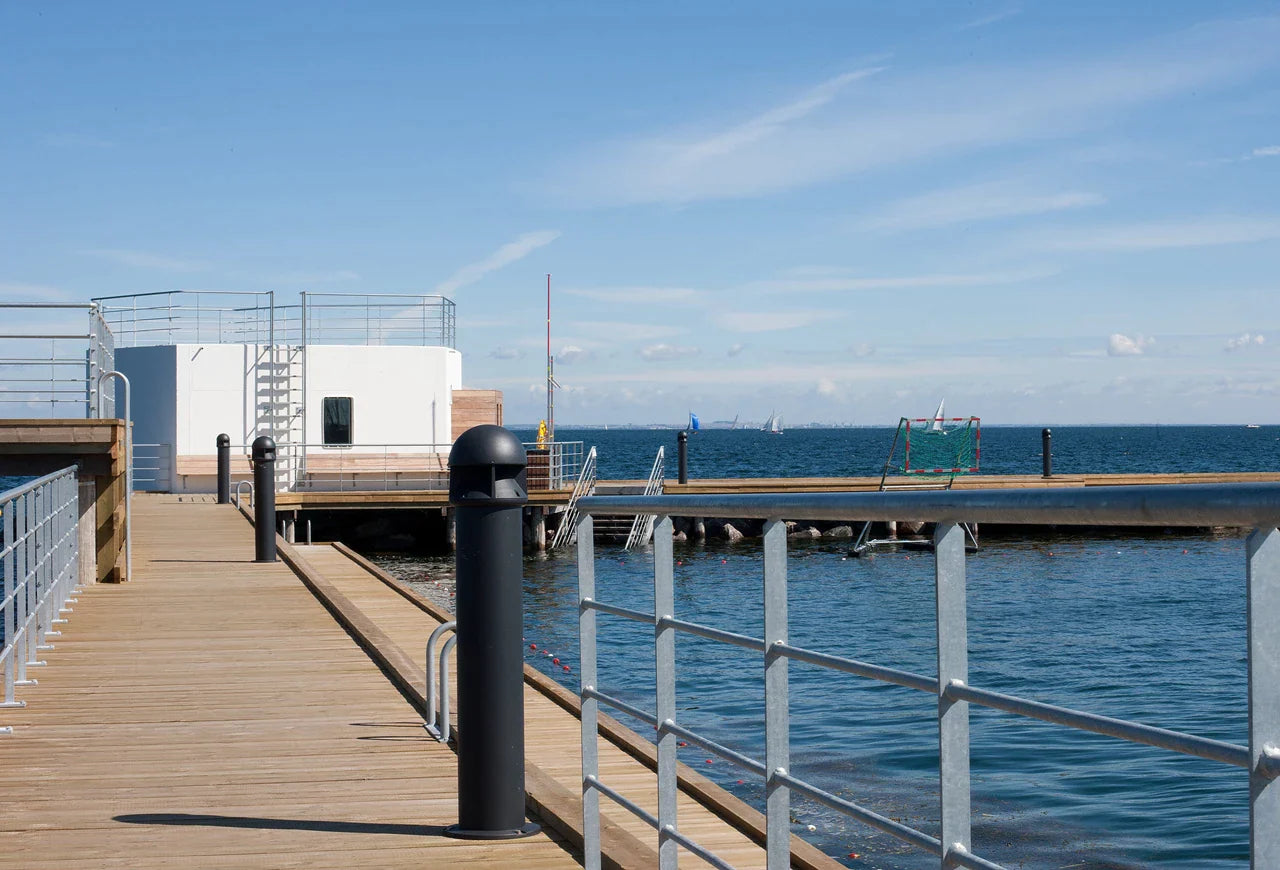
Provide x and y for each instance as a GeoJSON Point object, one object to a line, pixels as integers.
{"type": "Point", "coordinates": [936, 425]}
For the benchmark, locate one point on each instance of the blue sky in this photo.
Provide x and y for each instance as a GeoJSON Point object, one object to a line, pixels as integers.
{"type": "Point", "coordinates": [1046, 213]}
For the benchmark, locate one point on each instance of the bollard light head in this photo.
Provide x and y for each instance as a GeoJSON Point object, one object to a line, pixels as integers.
{"type": "Point", "coordinates": [487, 467]}
{"type": "Point", "coordinates": [224, 440]}
{"type": "Point", "coordinates": [264, 449]}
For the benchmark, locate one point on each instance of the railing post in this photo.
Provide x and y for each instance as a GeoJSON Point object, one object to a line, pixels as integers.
{"type": "Point", "coordinates": [264, 498]}
{"type": "Point", "coordinates": [1046, 452]}
{"type": "Point", "coordinates": [777, 740]}
{"type": "Point", "coordinates": [665, 686]}
{"type": "Point", "coordinates": [224, 469]}
{"type": "Point", "coordinates": [487, 487]}
{"type": "Point", "coordinates": [590, 706]}
{"type": "Point", "coordinates": [953, 667]}
{"type": "Point", "coordinates": [1263, 577]}
{"type": "Point", "coordinates": [682, 456]}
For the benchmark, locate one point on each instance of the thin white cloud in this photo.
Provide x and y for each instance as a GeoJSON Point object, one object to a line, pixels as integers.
{"type": "Point", "coordinates": [1123, 345]}
{"type": "Point", "coordinates": [1246, 340]}
{"type": "Point", "coordinates": [771, 321]}
{"type": "Point", "coordinates": [975, 202]}
{"type": "Point", "coordinates": [506, 353]}
{"type": "Point", "coordinates": [897, 282]}
{"type": "Point", "coordinates": [667, 352]}
{"type": "Point", "coordinates": [1267, 151]}
{"type": "Point", "coordinates": [835, 130]}
{"type": "Point", "coordinates": [1155, 235]}
{"type": "Point", "coordinates": [147, 260]}
{"type": "Point", "coordinates": [735, 349]}
{"type": "Point", "coordinates": [517, 249]}
{"type": "Point", "coordinates": [992, 18]}
{"type": "Point", "coordinates": [637, 295]}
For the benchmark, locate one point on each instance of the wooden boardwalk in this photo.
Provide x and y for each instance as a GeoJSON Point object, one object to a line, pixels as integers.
{"type": "Point", "coordinates": [213, 714]}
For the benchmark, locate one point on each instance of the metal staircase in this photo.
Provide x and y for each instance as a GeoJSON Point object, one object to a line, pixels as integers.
{"type": "Point", "coordinates": [642, 525]}
{"type": "Point", "coordinates": [279, 377]}
{"type": "Point", "coordinates": [567, 533]}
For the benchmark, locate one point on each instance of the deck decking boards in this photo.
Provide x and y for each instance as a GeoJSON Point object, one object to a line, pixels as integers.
{"type": "Point", "coordinates": [213, 713]}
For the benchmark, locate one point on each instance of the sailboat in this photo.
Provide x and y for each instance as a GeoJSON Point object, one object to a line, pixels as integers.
{"type": "Point", "coordinates": [936, 424]}
{"type": "Point", "coordinates": [694, 425]}
{"type": "Point", "coordinates": [773, 425]}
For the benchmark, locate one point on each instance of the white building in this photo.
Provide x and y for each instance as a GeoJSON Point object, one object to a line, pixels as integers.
{"type": "Point", "coordinates": [357, 391]}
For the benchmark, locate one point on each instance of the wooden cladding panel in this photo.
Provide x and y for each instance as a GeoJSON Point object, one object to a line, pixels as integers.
{"type": "Point", "coordinates": [474, 408]}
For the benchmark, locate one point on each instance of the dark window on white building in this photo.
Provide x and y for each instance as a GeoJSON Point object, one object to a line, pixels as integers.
{"type": "Point", "coordinates": [336, 420]}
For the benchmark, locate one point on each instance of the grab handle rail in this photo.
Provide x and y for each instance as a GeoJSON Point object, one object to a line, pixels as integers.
{"type": "Point", "coordinates": [437, 725]}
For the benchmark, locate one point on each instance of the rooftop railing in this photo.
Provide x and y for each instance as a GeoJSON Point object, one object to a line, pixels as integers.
{"type": "Point", "coordinates": [51, 356]}
{"type": "Point", "coordinates": [230, 317]}
{"type": "Point", "coordinates": [1253, 506]}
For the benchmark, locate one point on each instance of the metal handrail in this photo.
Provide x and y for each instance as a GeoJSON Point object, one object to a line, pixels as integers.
{"type": "Point", "coordinates": [642, 525]}
{"type": "Point", "coordinates": [40, 564]}
{"type": "Point", "coordinates": [1249, 505]}
{"type": "Point", "coordinates": [1193, 504]}
{"type": "Point", "coordinates": [437, 725]}
{"type": "Point", "coordinates": [585, 485]}
{"type": "Point", "coordinates": [240, 483]}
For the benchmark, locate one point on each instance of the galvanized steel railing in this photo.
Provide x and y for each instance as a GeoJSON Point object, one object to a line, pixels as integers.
{"type": "Point", "coordinates": [40, 560]}
{"type": "Point", "coordinates": [233, 317]}
{"type": "Point", "coordinates": [50, 362]}
{"type": "Point", "coordinates": [642, 525]}
{"type": "Point", "coordinates": [1255, 506]}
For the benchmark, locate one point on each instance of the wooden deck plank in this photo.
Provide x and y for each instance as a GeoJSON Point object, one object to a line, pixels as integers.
{"type": "Point", "coordinates": [551, 733]}
{"type": "Point", "coordinates": [212, 713]}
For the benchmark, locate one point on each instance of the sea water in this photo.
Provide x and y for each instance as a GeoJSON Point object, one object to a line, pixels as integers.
{"type": "Point", "coordinates": [1145, 627]}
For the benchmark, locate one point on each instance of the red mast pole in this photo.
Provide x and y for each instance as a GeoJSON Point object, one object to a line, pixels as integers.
{"type": "Point", "coordinates": [551, 407]}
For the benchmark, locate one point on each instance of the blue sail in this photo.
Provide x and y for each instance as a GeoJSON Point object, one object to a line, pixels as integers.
{"type": "Point", "coordinates": [694, 426]}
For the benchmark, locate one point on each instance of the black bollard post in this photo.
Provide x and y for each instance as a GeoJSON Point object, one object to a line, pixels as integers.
{"type": "Point", "coordinates": [264, 498]}
{"type": "Point", "coordinates": [224, 469]}
{"type": "Point", "coordinates": [682, 453]}
{"type": "Point", "coordinates": [1046, 451]}
{"type": "Point", "coordinates": [488, 490]}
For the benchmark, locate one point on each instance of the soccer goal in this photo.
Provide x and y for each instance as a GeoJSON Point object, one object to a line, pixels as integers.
{"type": "Point", "coordinates": [934, 452]}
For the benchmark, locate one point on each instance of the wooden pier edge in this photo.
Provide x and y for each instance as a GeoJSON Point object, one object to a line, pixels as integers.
{"type": "Point", "coordinates": [737, 813]}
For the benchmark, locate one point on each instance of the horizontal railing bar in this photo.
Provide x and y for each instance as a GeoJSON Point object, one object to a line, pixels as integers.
{"type": "Point", "coordinates": [964, 858]}
{"type": "Point", "coordinates": [868, 817]}
{"type": "Point", "coordinates": [746, 762]}
{"type": "Point", "coordinates": [706, 855]}
{"type": "Point", "coordinates": [1196, 504]}
{"type": "Point", "coordinates": [614, 610]}
{"type": "Point", "coordinates": [861, 669]}
{"type": "Point", "coordinates": [36, 361]}
{"type": "Point", "coordinates": [619, 704]}
{"type": "Point", "coordinates": [23, 489]}
{"type": "Point", "coordinates": [712, 633]}
{"type": "Point", "coordinates": [636, 810]}
{"type": "Point", "coordinates": [175, 292]}
{"type": "Point", "coordinates": [75, 305]}
{"type": "Point", "coordinates": [1188, 744]}
{"type": "Point", "coordinates": [69, 336]}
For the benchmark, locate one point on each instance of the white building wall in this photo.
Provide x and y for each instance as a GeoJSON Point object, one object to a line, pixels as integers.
{"type": "Point", "coordinates": [214, 393]}
{"type": "Point", "coordinates": [401, 395]}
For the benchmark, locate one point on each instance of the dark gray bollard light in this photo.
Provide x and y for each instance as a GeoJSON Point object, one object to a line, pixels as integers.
{"type": "Point", "coordinates": [1046, 451]}
{"type": "Point", "coordinates": [224, 469]}
{"type": "Point", "coordinates": [263, 453]}
{"type": "Point", "coordinates": [682, 454]}
{"type": "Point", "coordinates": [487, 488]}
